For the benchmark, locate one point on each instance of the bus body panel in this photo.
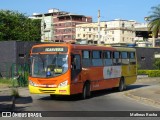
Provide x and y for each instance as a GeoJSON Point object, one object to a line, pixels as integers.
{"type": "Point", "coordinates": [100, 77]}
{"type": "Point", "coordinates": [56, 91]}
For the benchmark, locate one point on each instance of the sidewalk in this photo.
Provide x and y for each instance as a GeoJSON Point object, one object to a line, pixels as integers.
{"type": "Point", "coordinates": [5, 98]}
{"type": "Point", "coordinates": [148, 94]}
{"type": "Point", "coordinates": [8, 102]}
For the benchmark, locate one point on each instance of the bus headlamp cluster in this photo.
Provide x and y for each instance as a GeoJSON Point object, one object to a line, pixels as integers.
{"type": "Point", "coordinates": [32, 83]}
{"type": "Point", "coordinates": [63, 84]}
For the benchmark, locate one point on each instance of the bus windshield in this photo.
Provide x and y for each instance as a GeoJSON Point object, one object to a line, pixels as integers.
{"type": "Point", "coordinates": [48, 65]}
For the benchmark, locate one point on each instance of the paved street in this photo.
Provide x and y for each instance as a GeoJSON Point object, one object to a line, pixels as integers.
{"type": "Point", "coordinates": [106, 100]}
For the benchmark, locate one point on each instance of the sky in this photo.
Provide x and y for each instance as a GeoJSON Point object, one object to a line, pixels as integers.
{"type": "Point", "coordinates": [109, 9]}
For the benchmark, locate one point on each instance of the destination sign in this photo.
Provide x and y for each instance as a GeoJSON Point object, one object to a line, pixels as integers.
{"type": "Point", "coordinates": [54, 49]}
{"type": "Point", "coordinates": [49, 49]}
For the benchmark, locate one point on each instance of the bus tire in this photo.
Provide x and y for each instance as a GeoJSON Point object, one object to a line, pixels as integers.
{"type": "Point", "coordinates": [121, 85]}
{"type": "Point", "coordinates": [86, 93]}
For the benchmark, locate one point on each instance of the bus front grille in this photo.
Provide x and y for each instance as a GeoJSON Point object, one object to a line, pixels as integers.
{"type": "Point", "coordinates": [47, 91]}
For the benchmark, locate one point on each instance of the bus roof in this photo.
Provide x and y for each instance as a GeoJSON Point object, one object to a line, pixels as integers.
{"type": "Point", "coordinates": [86, 47]}
{"type": "Point", "coordinates": [76, 46]}
{"type": "Point", "coordinates": [124, 49]}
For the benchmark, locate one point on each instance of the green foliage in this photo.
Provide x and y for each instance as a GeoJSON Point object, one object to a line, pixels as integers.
{"type": "Point", "coordinates": [17, 26]}
{"type": "Point", "coordinates": [156, 63]}
{"type": "Point", "coordinates": [6, 81]}
{"type": "Point", "coordinates": [150, 73]}
{"type": "Point", "coordinates": [154, 20]}
{"type": "Point", "coordinates": [15, 92]}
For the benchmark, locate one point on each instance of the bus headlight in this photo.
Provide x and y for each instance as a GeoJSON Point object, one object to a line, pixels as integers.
{"type": "Point", "coordinates": [32, 83]}
{"type": "Point", "coordinates": [63, 84]}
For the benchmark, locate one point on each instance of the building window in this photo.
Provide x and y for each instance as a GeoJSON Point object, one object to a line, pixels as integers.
{"type": "Point", "coordinates": [112, 32]}
{"type": "Point", "coordinates": [112, 39]}
{"type": "Point", "coordinates": [123, 25]}
{"type": "Point", "coordinates": [84, 35]}
{"type": "Point", "coordinates": [73, 37]}
{"type": "Point", "coordinates": [89, 29]}
{"type": "Point", "coordinates": [89, 36]}
{"type": "Point", "coordinates": [123, 39]}
{"type": "Point", "coordinates": [122, 31]}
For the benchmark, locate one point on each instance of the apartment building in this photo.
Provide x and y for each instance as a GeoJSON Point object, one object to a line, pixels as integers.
{"type": "Point", "coordinates": [120, 31]}
{"type": "Point", "coordinates": [57, 26]}
{"type": "Point", "coordinates": [89, 32]}
{"type": "Point", "coordinates": [111, 32]}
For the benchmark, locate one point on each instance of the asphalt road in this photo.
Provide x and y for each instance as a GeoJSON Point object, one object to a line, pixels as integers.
{"type": "Point", "coordinates": [105, 100]}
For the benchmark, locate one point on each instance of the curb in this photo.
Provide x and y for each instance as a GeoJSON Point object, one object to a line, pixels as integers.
{"type": "Point", "coordinates": [146, 101]}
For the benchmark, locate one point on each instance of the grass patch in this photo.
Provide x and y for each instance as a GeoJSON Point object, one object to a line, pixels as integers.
{"type": "Point", "coordinates": [8, 82]}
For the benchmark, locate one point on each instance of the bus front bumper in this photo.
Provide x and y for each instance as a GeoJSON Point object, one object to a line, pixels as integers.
{"type": "Point", "coordinates": [56, 91]}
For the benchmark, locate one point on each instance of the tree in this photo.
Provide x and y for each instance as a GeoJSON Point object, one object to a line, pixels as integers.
{"type": "Point", "coordinates": [154, 20]}
{"type": "Point", "coordinates": [17, 26]}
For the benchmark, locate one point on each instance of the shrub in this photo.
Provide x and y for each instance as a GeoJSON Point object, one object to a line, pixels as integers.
{"type": "Point", "coordinates": [150, 73]}
{"type": "Point", "coordinates": [156, 63]}
{"type": "Point", "coordinates": [15, 93]}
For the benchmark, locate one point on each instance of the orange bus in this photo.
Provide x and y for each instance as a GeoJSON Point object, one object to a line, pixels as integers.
{"type": "Point", "coordinates": [66, 69]}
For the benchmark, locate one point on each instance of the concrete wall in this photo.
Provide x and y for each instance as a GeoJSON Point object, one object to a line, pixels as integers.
{"type": "Point", "coordinates": [13, 54]}
{"type": "Point", "coordinates": [146, 56]}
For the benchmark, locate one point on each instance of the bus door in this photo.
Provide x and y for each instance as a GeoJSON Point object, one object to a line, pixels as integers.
{"type": "Point", "coordinates": [75, 67]}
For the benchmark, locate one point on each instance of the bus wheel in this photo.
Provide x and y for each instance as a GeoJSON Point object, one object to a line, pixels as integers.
{"type": "Point", "coordinates": [86, 91]}
{"type": "Point", "coordinates": [121, 85]}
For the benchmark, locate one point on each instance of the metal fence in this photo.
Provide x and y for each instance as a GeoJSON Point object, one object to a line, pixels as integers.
{"type": "Point", "coordinates": [20, 72]}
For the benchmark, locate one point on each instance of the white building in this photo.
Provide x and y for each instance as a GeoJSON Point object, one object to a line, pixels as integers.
{"type": "Point", "coordinates": [111, 32]}
{"type": "Point", "coordinates": [89, 32]}
{"type": "Point", "coordinates": [120, 32]}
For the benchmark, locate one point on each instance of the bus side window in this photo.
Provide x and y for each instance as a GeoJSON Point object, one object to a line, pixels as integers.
{"type": "Point", "coordinates": [116, 58]}
{"type": "Point", "coordinates": [132, 58]}
{"type": "Point", "coordinates": [86, 61]}
{"type": "Point", "coordinates": [97, 58]}
{"type": "Point", "coordinates": [125, 58]}
{"type": "Point", "coordinates": [107, 55]}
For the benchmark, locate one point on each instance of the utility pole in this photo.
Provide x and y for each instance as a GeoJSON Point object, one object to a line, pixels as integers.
{"type": "Point", "coordinates": [99, 42]}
